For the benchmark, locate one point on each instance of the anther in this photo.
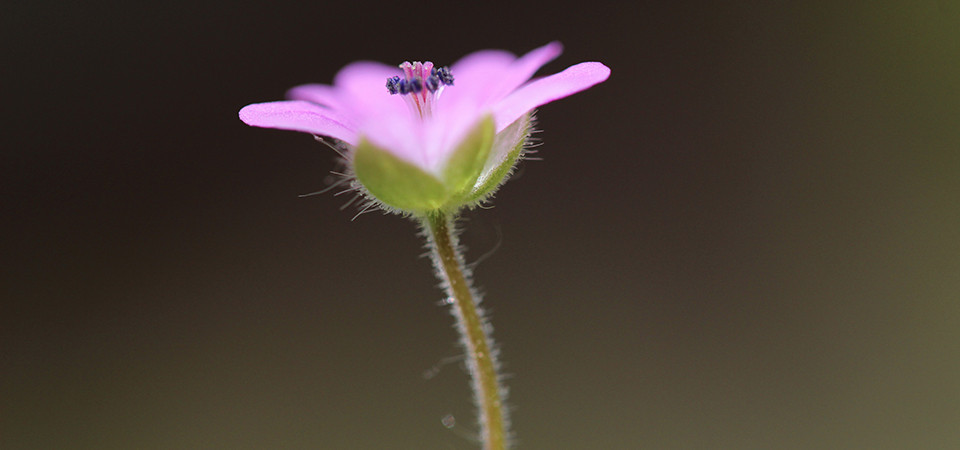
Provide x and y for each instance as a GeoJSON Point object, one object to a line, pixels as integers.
{"type": "Point", "coordinates": [443, 74]}
{"type": "Point", "coordinates": [413, 86]}
{"type": "Point", "coordinates": [432, 83]}
{"type": "Point", "coordinates": [420, 85]}
{"type": "Point", "coordinates": [437, 78]}
{"type": "Point", "coordinates": [393, 85]}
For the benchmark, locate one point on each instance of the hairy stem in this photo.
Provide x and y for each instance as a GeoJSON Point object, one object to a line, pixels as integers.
{"type": "Point", "coordinates": [474, 330]}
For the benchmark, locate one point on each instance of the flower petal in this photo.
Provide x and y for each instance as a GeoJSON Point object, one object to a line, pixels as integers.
{"type": "Point", "coordinates": [402, 136]}
{"type": "Point", "coordinates": [316, 93]}
{"type": "Point", "coordinates": [545, 90]}
{"type": "Point", "coordinates": [481, 63]}
{"type": "Point", "coordinates": [299, 116]}
{"type": "Point", "coordinates": [364, 84]}
{"type": "Point", "coordinates": [524, 68]}
{"type": "Point", "coordinates": [364, 70]}
{"type": "Point", "coordinates": [475, 76]}
{"type": "Point", "coordinates": [485, 77]}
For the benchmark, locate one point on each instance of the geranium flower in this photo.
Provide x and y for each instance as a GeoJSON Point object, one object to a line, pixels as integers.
{"type": "Point", "coordinates": [424, 138]}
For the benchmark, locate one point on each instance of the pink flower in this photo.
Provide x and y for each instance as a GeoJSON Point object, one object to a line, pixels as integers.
{"type": "Point", "coordinates": [424, 138]}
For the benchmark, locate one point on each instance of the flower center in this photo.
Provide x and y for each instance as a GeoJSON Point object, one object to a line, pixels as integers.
{"type": "Point", "coordinates": [420, 86]}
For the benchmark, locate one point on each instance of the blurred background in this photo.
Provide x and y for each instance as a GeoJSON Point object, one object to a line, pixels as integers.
{"type": "Point", "coordinates": [746, 239]}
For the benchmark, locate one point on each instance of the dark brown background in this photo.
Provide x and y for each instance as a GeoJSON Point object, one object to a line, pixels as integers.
{"type": "Point", "coordinates": [746, 239]}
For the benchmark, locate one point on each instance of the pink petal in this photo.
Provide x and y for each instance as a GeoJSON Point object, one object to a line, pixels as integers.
{"type": "Point", "coordinates": [402, 136]}
{"type": "Point", "coordinates": [364, 84]}
{"type": "Point", "coordinates": [357, 75]}
{"type": "Point", "coordinates": [444, 132]}
{"type": "Point", "coordinates": [299, 116]}
{"type": "Point", "coordinates": [476, 75]}
{"type": "Point", "coordinates": [316, 93]}
{"type": "Point", "coordinates": [480, 64]}
{"type": "Point", "coordinates": [524, 68]}
{"type": "Point", "coordinates": [426, 143]}
{"type": "Point", "coordinates": [545, 90]}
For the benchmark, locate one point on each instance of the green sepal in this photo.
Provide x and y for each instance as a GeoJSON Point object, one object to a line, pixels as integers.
{"type": "Point", "coordinates": [513, 137]}
{"type": "Point", "coordinates": [397, 183]}
{"type": "Point", "coordinates": [464, 166]}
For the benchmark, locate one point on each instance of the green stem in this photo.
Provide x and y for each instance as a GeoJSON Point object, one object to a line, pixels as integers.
{"type": "Point", "coordinates": [474, 330]}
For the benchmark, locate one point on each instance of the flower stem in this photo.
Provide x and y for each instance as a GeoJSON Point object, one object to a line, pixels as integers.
{"type": "Point", "coordinates": [474, 330]}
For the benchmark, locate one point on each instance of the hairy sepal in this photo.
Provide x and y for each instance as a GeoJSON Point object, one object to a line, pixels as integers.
{"type": "Point", "coordinates": [473, 172]}
{"type": "Point", "coordinates": [396, 183]}
{"type": "Point", "coordinates": [466, 164]}
{"type": "Point", "coordinates": [508, 146]}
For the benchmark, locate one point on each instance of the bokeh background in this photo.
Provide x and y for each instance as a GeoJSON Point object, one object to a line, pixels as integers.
{"type": "Point", "coordinates": [746, 239]}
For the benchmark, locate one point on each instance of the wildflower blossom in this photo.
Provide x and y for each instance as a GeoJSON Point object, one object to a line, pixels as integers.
{"type": "Point", "coordinates": [422, 137]}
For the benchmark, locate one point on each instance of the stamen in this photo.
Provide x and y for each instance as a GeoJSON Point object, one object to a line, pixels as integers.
{"type": "Point", "coordinates": [396, 85]}
{"type": "Point", "coordinates": [443, 74]}
{"type": "Point", "coordinates": [393, 85]}
{"type": "Point", "coordinates": [421, 85]}
{"type": "Point", "coordinates": [432, 83]}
